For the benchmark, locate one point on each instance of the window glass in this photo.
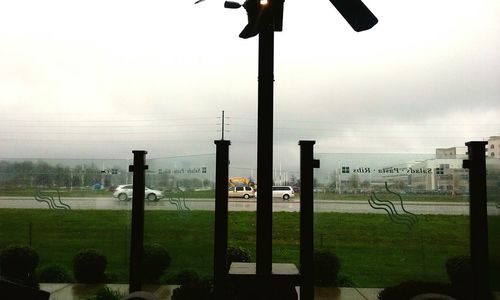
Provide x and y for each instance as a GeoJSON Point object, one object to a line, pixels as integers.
{"type": "Point", "coordinates": [493, 206]}
{"type": "Point", "coordinates": [62, 207]}
{"type": "Point", "coordinates": [391, 218]}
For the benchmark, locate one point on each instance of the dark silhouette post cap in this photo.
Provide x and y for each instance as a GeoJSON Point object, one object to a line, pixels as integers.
{"type": "Point", "coordinates": [141, 155]}
{"type": "Point", "coordinates": [222, 142]}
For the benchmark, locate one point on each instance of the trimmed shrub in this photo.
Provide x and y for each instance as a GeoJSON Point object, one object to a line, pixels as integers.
{"type": "Point", "coordinates": [89, 266]}
{"type": "Point", "coordinates": [111, 277]}
{"type": "Point", "coordinates": [181, 277]}
{"type": "Point", "coordinates": [459, 269]}
{"type": "Point", "coordinates": [106, 293]}
{"type": "Point", "coordinates": [326, 268]}
{"type": "Point", "coordinates": [408, 289]}
{"type": "Point", "coordinates": [156, 260]}
{"type": "Point", "coordinates": [344, 281]}
{"type": "Point", "coordinates": [55, 274]}
{"type": "Point", "coordinates": [237, 254]}
{"type": "Point", "coordinates": [193, 288]}
{"type": "Point", "coordinates": [19, 263]}
{"type": "Point", "coordinates": [186, 277]}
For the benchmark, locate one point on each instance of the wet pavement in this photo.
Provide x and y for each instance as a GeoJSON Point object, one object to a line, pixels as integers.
{"type": "Point", "coordinates": [63, 291]}
{"type": "Point", "coordinates": [431, 208]}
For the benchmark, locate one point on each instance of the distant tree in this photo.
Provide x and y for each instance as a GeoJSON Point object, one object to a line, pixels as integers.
{"type": "Point", "coordinates": [207, 183]}
{"type": "Point", "coordinates": [43, 174]}
{"type": "Point", "coordinates": [365, 184]}
{"type": "Point", "coordinates": [315, 182]}
{"type": "Point", "coordinates": [196, 183]}
{"type": "Point", "coordinates": [354, 181]}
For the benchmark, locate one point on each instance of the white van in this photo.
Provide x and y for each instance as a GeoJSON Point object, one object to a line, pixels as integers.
{"type": "Point", "coordinates": [284, 192]}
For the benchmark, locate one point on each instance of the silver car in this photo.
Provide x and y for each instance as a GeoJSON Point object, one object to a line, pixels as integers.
{"type": "Point", "coordinates": [241, 191]}
{"type": "Point", "coordinates": [124, 193]}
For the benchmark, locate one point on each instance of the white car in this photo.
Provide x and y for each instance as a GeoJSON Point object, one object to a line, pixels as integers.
{"type": "Point", "coordinates": [124, 192]}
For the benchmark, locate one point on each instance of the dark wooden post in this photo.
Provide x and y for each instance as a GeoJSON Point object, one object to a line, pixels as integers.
{"type": "Point", "coordinates": [137, 230]}
{"type": "Point", "coordinates": [478, 219]}
{"type": "Point", "coordinates": [265, 151]}
{"type": "Point", "coordinates": [221, 217]}
{"type": "Point", "coordinates": [307, 165]}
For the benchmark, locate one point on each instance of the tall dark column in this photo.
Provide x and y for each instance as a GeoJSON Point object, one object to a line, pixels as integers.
{"type": "Point", "coordinates": [265, 151]}
{"type": "Point", "coordinates": [221, 217]}
{"type": "Point", "coordinates": [137, 231]}
{"type": "Point", "coordinates": [478, 219]}
{"type": "Point", "coordinates": [307, 165]}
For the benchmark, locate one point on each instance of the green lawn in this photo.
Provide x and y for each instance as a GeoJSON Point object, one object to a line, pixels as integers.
{"type": "Point", "coordinates": [374, 252]}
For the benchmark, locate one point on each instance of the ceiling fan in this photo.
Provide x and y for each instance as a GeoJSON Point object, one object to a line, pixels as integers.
{"type": "Point", "coordinates": [261, 12]}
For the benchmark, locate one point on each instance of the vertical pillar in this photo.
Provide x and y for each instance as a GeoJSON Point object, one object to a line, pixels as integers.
{"type": "Point", "coordinates": [478, 219]}
{"type": "Point", "coordinates": [137, 231]}
{"type": "Point", "coordinates": [221, 216]}
{"type": "Point", "coordinates": [307, 165]}
{"type": "Point", "coordinates": [265, 152]}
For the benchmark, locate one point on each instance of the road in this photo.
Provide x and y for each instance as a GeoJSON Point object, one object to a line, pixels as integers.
{"type": "Point", "coordinates": [345, 206]}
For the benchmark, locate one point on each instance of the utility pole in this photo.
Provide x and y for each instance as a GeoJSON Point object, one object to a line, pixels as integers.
{"type": "Point", "coordinates": [223, 123]}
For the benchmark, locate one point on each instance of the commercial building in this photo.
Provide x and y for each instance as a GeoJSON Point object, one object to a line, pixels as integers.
{"type": "Point", "coordinates": [493, 147]}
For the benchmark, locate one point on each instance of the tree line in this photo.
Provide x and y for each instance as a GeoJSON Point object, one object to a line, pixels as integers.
{"type": "Point", "coordinates": [40, 173]}
{"type": "Point", "coordinates": [34, 174]}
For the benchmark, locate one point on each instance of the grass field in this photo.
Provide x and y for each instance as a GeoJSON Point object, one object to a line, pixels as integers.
{"type": "Point", "coordinates": [374, 252]}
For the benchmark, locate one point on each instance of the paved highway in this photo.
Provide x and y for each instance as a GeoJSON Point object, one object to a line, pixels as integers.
{"type": "Point", "coordinates": [346, 206]}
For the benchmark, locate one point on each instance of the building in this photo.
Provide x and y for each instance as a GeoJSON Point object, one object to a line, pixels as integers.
{"type": "Point", "coordinates": [493, 147]}
{"type": "Point", "coordinates": [443, 173]}
{"type": "Point", "coordinates": [453, 152]}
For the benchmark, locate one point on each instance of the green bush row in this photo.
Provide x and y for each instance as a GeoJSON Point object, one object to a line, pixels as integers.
{"type": "Point", "coordinates": [19, 263]}
{"type": "Point", "coordinates": [459, 271]}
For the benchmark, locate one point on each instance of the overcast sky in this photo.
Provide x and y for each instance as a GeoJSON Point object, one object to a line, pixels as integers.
{"type": "Point", "coordinates": [96, 79]}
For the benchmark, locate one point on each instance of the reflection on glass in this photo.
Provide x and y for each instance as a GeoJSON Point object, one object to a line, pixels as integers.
{"type": "Point", "coordinates": [493, 201]}
{"type": "Point", "coordinates": [392, 218]}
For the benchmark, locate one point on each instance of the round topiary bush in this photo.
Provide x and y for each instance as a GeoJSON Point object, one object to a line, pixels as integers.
{"type": "Point", "coordinates": [344, 281]}
{"type": "Point", "coordinates": [106, 293]}
{"type": "Point", "coordinates": [459, 269]}
{"type": "Point", "coordinates": [186, 277]}
{"type": "Point", "coordinates": [198, 289]}
{"type": "Point", "coordinates": [409, 289]}
{"type": "Point", "coordinates": [237, 254]}
{"type": "Point", "coordinates": [19, 263]}
{"type": "Point", "coordinates": [89, 266]}
{"type": "Point", "coordinates": [55, 274]}
{"type": "Point", "coordinates": [326, 268]}
{"type": "Point", "coordinates": [156, 260]}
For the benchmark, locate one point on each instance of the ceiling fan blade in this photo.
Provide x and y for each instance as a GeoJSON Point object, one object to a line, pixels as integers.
{"type": "Point", "coordinates": [356, 14]}
{"type": "Point", "coordinates": [231, 4]}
